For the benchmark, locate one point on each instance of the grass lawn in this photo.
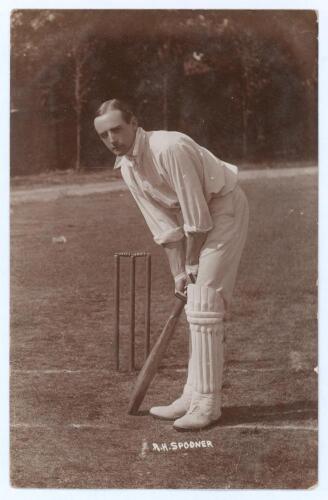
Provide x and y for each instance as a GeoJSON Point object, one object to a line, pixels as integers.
{"type": "Point", "coordinates": [69, 422]}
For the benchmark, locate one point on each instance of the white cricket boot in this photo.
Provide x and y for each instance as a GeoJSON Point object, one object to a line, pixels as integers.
{"type": "Point", "coordinates": [176, 409]}
{"type": "Point", "coordinates": [205, 312]}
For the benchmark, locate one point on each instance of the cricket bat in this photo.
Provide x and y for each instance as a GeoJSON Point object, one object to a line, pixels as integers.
{"type": "Point", "coordinates": [155, 357]}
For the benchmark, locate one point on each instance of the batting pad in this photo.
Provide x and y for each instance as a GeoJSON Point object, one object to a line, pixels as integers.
{"type": "Point", "coordinates": [205, 312]}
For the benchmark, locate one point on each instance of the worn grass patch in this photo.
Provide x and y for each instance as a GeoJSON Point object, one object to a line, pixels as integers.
{"type": "Point", "coordinates": [68, 405]}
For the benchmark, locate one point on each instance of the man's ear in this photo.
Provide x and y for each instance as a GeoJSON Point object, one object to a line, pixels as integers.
{"type": "Point", "coordinates": [134, 122]}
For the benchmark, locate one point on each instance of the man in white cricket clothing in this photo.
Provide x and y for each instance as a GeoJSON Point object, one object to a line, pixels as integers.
{"type": "Point", "coordinates": [197, 212]}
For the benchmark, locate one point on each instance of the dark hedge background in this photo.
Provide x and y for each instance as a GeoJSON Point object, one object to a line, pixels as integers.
{"type": "Point", "coordinates": [242, 83]}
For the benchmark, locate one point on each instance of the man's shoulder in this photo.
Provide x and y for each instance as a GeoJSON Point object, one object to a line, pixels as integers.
{"type": "Point", "coordinates": [164, 140]}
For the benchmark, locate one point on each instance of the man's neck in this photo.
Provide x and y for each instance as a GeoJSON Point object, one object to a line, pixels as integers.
{"type": "Point", "coordinates": [131, 150]}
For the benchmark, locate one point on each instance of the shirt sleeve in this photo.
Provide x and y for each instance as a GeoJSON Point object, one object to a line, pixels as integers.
{"type": "Point", "coordinates": [183, 166]}
{"type": "Point", "coordinates": [161, 222]}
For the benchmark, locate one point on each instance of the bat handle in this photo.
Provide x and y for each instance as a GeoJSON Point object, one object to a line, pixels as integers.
{"type": "Point", "coordinates": [181, 296]}
{"type": "Point", "coordinates": [192, 277]}
{"type": "Point", "coordinates": [179, 304]}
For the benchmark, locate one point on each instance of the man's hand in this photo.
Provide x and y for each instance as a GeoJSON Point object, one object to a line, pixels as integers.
{"type": "Point", "coordinates": [181, 283]}
{"type": "Point", "coordinates": [181, 287]}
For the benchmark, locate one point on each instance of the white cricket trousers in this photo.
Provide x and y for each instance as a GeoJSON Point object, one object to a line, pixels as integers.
{"type": "Point", "coordinates": [221, 252]}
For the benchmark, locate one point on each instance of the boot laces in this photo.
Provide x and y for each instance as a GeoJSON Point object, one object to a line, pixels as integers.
{"type": "Point", "coordinates": [194, 408]}
{"type": "Point", "coordinates": [202, 406]}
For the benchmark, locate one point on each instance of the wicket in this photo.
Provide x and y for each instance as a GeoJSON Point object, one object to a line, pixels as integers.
{"type": "Point", "coordinates": [117, 289]}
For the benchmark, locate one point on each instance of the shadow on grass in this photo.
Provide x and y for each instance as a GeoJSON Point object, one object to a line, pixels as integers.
{"type": "Point", "coordinates": [236, 415]}
{"type": "Point", "coordinates": [141, 413]}
{"type": "Point", "coordinates": [294, 411]}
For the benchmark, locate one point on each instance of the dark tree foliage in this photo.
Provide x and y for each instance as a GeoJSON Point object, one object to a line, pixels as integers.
{"type": "Point", "coordinates": [243, 83]}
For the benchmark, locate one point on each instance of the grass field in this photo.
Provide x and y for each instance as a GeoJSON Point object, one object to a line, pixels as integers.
{"type": "Point", "coordinates": [69, 422]}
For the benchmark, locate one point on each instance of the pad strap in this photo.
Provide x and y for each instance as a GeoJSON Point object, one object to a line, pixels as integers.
{"type": "Point", "coordinates": [204, 317]}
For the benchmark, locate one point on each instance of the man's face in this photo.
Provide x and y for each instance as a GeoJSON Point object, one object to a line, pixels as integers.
{"type": "Point", "coordinates": [115, 132]}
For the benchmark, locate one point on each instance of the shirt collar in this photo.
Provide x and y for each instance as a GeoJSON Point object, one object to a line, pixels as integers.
{"type": "Point", "coordinates": [134, 158]}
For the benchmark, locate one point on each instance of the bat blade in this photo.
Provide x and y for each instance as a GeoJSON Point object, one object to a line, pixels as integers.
{"type": "Point", "coordinates": [155, 357]}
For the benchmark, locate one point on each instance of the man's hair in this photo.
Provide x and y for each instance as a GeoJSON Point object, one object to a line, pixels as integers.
{"type": "Point", "coordinates": [119, 105]}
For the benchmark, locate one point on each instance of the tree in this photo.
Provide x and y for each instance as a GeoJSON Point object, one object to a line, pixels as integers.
{"type": "Point", "coordinates": [227, 78]}
{"type": "Point", "coordinates": [37, 36]}
{"type": "Point", "coordinates": [81, 53]}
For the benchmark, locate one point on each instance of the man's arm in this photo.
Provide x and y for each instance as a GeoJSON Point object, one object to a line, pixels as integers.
{"type": "Point", "coordinates": [184, 252]}
{"type": "Point", "coordinates": [195, 242]}
{"type": "Point", "coordinates": [183, 257]}
{"type": "Point", "coordinates": [176, 254]}
{"type": "Point", "coordinates": [183, 164]}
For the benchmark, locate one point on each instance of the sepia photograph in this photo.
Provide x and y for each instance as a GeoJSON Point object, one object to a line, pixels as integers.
{"type": "Point", "coordinates": [164, 248]}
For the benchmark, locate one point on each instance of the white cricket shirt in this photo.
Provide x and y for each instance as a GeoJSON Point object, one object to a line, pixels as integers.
{"type": "Point", "coordinates": [173, 180]}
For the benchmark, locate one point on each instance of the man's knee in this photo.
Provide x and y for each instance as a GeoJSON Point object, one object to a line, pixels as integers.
{"type": "Point", "coordinates": [205, 299]}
